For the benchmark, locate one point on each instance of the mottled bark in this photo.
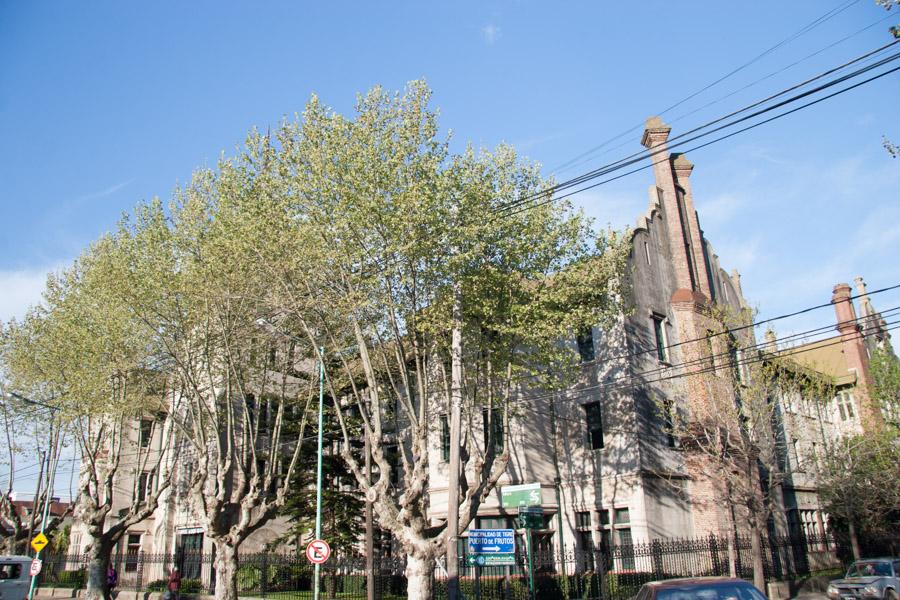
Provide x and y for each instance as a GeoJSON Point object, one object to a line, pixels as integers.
{"type": "Point", "coordinates": [419, 577]}
{"type": "Point", "coordinates": [226, 571]}
{"type": "Point", "coordinates": [98, 563]}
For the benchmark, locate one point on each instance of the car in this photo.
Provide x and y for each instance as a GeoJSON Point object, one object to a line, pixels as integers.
{"type": "Point", "coordinates": [868, 578]}
{"type": "Point", "coordinates": [700, 588]}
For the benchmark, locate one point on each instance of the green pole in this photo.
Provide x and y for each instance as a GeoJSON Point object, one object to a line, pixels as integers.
{"type": "Point", "coordinates": [319, 467]}
{"type": "Point", "coordinates": [37, 555]}
{"type": "Point", "coordinates": [530, 564]}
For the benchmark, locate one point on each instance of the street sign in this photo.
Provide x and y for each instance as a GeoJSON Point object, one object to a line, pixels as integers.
{"type": "Point", "coordinates": [39, 541]}
{"type": "Point", "coordinates": [492, 541]}
{"type": "Point", "coordinates": [491, 560]}
{"type": "Point", "coordinates": [35, 567]}
{"type": "Point", "coordinates": [512, 496]}
{"type": "Point", "coordinates": [318, 551]}
{"type": "Point", "coordinates": [531, 517]}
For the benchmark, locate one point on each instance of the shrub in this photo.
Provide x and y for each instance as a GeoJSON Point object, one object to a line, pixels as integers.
{"type": "Point", "coordinates": [67, 579]}
{"type": "Point", "coordinates": [248, 578]}
{"type": "Point", "coordinates": [191, 586]}
{"type": "Point", "coordinates": [157, 586]}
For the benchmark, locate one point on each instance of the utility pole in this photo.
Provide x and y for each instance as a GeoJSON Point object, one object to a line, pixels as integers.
{"type": "Point", "coordinates": [455, 435]}
{"type": "Point", "coordinates": [37, 495]}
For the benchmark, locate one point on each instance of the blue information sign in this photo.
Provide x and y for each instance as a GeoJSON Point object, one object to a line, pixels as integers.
{"type": "Point", "coordinates": [492, 541]}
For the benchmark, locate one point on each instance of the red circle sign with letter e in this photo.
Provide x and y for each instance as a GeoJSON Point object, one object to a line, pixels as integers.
{"type": "Point", "coordinates": [318, 551]}
{"type": "Point", "coordinates": [35, 567]}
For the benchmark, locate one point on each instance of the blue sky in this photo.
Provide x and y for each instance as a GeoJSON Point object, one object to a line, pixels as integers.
{"type": "Point", "coordinates": [103, 104]}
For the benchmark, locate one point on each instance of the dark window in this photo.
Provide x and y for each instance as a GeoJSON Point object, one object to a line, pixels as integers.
{"type": "Point", "coordinates": [624, 541]}
{"type": "Point", "coordinates": [495, 432]}
{"type": "Point", "coordinates": [392, 454]}
{"type": "Point", "coordinates": [622, 516]}
{"type": "Point", "coordinates": [583, 519]}
{"type": "Point", "coordinates": [132, 549]}
{"type": "Point", "coordinates": [669, 426]}
{"type": "Point", "coordinates": [146, 432]}
{"type": "Point", "coordinates": [604, 517]}
{"type": "Point", "coordinates": [585, 342]}
{"type": "Point", "coordinates": [144, 482]}
{"type": "Point", "coordinates": [734, 358]}
{"type": "Point", "coordinates": [659, 332]}
{"type": "Point", "coordinates": [594, 424]}
{"type": "Point", "coordinates": [710, 350]}
{"type": "Point", "coordinates": [445, 438]}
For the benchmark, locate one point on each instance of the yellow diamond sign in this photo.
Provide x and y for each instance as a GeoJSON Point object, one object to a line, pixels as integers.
{"type": "Point", "coordinates": [39, 541]}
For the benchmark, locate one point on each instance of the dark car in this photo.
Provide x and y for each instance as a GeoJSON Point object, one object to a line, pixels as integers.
{"type": "Point", "coordinates": [874, 578]}
{"type": "Point", "coordinates": [700, 588]}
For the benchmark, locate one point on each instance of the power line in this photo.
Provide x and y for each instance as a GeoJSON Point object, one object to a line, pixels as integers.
{"type": "Point", "coordinates": [862, 59]}
{"type": "Point", "coordinates": [803, 30]}
{"type": "Point", "coordinates": [640, 156]}
{"type": "Point", "coordinates": [709, 143]}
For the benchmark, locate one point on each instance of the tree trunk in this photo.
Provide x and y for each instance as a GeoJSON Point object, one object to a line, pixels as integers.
{"type": "Point", "coordinates": [756, 555]}
{"type": "Point", "coordinates": [98, 563]}
{"type": "Point", "coordinates": [854, 539]}
{"type": "Point", "coordinates": [226, 571]}
{"type": "Point", "coordinates": [419, 574]}
{"type": "Point", "coordinates": [732, 554]}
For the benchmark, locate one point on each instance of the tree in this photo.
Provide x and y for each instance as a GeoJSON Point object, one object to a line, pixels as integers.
{"type": "Point", "coordinates": [234, 383]}
{"type": "Point", "coordinates": [732, 425]}
{"type": "Point", "coordinates": [28, 430]}
{"type": "Point", "coordinates": [858, 483]}
{"type": "Point", "coordinates": [885, 370]}
{"type": "Point", "coordinates": [82, 352]}
{"type": "Point", "coordinates": [342, 505]}
{"type": "Point", "coordinates": [400, 261]}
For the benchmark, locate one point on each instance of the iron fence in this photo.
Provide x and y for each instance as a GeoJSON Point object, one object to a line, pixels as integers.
{"type": "Point", "coordinates": [588, 574]}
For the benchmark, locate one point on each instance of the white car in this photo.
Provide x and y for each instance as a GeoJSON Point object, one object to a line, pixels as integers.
{"type": "Point", "coordinates": [870, 578]}
{"type": "Point", "coordinates": [14, 577]}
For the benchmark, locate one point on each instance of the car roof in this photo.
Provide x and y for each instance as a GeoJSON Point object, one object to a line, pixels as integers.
{"type": "Point", "coordinates": [694, 580]}
{"type": "Point", "coordinates": [876, 559]}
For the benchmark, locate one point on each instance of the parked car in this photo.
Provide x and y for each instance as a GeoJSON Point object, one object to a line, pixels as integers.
{"type": "Point", "coordinates": [700, 588]}
{"type": "Point", "coordinates": [14, 578]}
{"type": "Point", "coordinates": [869, 578]}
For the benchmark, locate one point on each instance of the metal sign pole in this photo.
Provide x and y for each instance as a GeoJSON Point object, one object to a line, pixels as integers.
{"type": "Point", "coordinates": [37, 555]}
{"type": "Point", "coordinates": [530, 563]}
{"type": "Point", "coordinates": [319, 468]}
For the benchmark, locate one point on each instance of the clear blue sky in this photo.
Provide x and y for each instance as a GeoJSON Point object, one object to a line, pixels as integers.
{"type": "Point", "coordinates": [103, 104]}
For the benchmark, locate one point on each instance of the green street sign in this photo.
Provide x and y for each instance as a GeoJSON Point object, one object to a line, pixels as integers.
{"type": "Point", "coordinates": [491, 560]}
{"type": "Point", "coordinates": [527, 494]}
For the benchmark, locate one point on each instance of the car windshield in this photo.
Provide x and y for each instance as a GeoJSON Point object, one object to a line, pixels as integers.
{"type": "Point", "coordinates": [869, 569]}
{"type": "Point", "coordinates": [727, 590]}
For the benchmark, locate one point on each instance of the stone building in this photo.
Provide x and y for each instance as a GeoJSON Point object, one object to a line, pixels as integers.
{"type": "Point", "coordinates": [601, 456]}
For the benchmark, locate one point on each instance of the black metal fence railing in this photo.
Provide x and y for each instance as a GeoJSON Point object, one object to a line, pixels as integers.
{"type": "Point", "coordinates": [609, 574]}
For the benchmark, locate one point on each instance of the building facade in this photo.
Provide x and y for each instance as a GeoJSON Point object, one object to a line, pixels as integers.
{"type": "Point", "coordinates": [602, 456]}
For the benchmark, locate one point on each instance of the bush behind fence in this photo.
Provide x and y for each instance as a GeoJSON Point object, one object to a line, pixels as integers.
{"type": "Point", "coordinates": [615, 573]}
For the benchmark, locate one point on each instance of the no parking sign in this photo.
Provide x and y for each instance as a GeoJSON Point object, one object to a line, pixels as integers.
{"type": "Point", "coordinates": [318, 551]}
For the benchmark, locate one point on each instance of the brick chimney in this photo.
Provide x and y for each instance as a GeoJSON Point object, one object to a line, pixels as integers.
{"type": "Point", "coordinates": [856, 355]}
{"type": "Point", "coordinates": [654, 139]}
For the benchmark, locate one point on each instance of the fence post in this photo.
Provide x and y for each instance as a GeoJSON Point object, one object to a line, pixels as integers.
{"type": "Point", "coordinates": [656, 554]}
{"type": "Point", "coordinates": [264, 574]}
{"type": "Point", "coordinates": [140, 570]}
{"type": "Point", "coordinates": [714, 554]}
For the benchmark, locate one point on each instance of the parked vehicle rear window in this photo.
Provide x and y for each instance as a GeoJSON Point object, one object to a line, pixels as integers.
{"type": "Point", "coordinates": [869, 569]}
{"type": "Point", "coordinates": [711, 591]}
{"type": "Point", "coordinates": [10, 571]}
